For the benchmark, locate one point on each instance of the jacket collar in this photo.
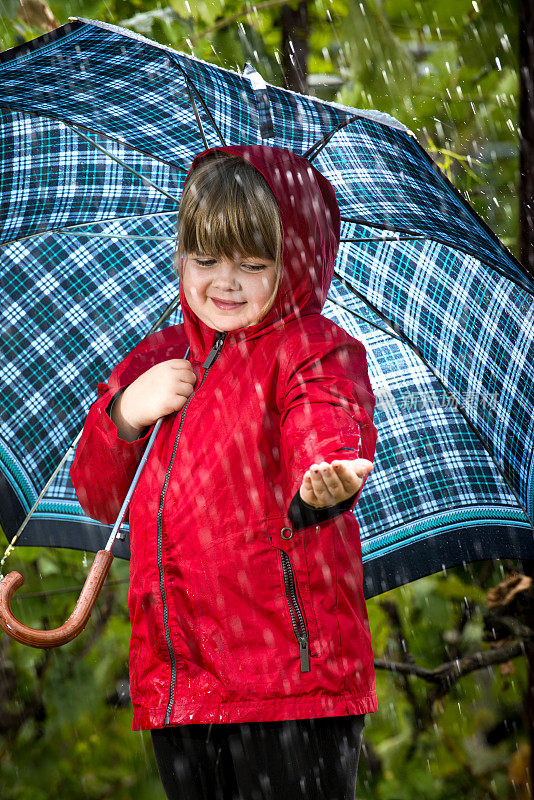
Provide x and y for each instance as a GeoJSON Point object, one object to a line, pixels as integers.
{"type": "Point", "coordinates": [311, 229]}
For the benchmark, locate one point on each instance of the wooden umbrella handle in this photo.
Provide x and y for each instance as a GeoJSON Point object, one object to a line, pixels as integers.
{"type": "Point", "coordinates": [75, 623]}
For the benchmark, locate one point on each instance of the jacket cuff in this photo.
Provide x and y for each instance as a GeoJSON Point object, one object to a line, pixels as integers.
{"type": "Point", "coordinates": [302, 514]}
{"type": "Point", "coordinates": [114, 399]}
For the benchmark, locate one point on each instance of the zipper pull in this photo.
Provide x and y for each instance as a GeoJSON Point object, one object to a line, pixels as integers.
{"type": "Point", "coordinates": [304, 654]}
{"type": "Point", "coordinates": [215, 350]}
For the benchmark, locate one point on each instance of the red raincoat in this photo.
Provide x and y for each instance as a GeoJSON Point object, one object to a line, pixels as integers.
{"type": "Point", "coordinates": [236, 617]}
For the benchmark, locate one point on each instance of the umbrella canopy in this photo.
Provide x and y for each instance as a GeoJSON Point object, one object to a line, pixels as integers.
{"type": "Point", "coordinates": [98, 129]}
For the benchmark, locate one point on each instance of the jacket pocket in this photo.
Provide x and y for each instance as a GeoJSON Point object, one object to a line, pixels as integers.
{"type": "Point", "coordinates": [321, 564]}
{"type": "Point", "coordinates": [250, 621]}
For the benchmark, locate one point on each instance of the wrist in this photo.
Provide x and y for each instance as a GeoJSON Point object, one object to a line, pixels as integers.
{"type": "Point", "coordinates": [121, 408]}
{"type": "Point", "coordinates": [309, 505]}
{"type": "Point", "coordinates": [125, 429]}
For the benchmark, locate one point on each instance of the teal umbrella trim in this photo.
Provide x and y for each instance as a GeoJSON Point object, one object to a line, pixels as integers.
{"type": "Point", "coordinates": [447, 521]}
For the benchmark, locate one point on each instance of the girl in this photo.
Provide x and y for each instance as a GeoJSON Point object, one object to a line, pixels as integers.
{"type": "Point", "coordinates": [250, 655]}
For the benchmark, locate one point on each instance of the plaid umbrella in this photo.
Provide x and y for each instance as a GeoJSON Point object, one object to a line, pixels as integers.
{"type": "Point", "coordinates": [98, 129]}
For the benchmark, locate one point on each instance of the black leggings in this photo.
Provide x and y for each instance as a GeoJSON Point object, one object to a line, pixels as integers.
{"type": "Point", "coordinates": [315, 759]}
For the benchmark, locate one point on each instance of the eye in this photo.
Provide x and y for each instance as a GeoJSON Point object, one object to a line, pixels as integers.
{"type": "Point", "coordinates": [208, 262]}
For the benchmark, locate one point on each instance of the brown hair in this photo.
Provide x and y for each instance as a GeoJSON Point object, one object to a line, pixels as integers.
{"type": "Point", "coordinates": [227, 206]}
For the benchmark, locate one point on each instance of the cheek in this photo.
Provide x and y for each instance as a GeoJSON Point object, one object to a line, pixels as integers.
{"type": "Point", "coordinates": [268, 287]}
{"type": "Point", "coordinates": [263, 289]}
{"type": "Point", "coordinates": [194, 285]}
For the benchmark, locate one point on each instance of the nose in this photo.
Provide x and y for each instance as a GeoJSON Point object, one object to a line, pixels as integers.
{"type": "Point", "coordinates": [226, 275]}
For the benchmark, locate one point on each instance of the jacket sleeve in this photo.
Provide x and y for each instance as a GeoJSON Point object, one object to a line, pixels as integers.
{"type": "Point", "coordinates": [104, 464]}
{"type": "Point", "coordinates": [327, 408]}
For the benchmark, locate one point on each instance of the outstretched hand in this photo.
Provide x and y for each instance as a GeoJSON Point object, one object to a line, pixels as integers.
{"type": "Point", "coordinates": [328, 484]}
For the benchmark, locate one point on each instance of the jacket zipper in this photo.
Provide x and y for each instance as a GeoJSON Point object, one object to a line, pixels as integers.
{"type": "Point", "coordinates": [297, 617]}
{"type": "Point", "coordinates": [212, 355]}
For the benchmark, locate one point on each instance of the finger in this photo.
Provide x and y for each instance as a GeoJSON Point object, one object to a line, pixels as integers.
{"type": "Point", "coordinates": [307, 485]}
{"type": "Point", "coordinates": [321, 490]}
{"type": "Point", "coordinates": [183, 375]}
{"type": "Point", "coordinates": [183, 389]}
{"type": "Point", "coordinates": [331, 479]}
{"type": "Point", "coordinates": [349, 477]}
{"type": "Point", "coordinates": [306, 491]}
{"type": "Point", "coordinates": [361, 466]}
{"type": "Point", "coordinates": [345, 475]}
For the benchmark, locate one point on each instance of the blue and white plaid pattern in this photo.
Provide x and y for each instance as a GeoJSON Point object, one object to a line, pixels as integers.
{"type": "Point", "coordinates": [444, 310]}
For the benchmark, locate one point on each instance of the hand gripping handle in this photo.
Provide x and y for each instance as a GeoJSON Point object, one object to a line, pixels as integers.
{"type": "Point", "coordinates": [75, 623]}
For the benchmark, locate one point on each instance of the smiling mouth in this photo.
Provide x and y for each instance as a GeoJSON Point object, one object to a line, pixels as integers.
{"type": "Point", "coordinates": [225, 305]}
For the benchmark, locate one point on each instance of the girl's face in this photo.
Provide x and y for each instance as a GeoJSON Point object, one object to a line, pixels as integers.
{"type": "Point", "coordinates": [228, 294]}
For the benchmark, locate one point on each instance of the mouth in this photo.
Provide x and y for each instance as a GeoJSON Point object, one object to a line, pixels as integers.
{"type": "Point", "coordinates": [225, 305]}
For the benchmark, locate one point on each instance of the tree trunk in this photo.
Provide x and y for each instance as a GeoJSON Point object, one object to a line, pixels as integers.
{"type": "Point", "coordinates": [295, 34]}
{"type": "Point", "coordinates": [526, 135]}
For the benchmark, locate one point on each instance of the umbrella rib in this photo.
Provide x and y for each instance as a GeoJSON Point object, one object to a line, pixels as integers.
{"type": "Point", "coordinates": [137, 238]}
{"type": "Point", "coordinates": [450, 185]}
{"type": "Point", "coordinates": [364, 319]}
{"type": "Point", "coordinates": [68, 228]}
{"type": "Point", "coordinates": [197, 116]}
{"type": "Point", "coordinates": [382, 239]}
{"type": "Point", "coordinates": [173, 305]}
{"type": "Point", "coordinates": [191, 86]}
{"type": "Point", "coordinates": [29, 113]}
{"type": "Point", "coordinates": [414, 235]}
{"type": "Point", "coordinates": [121, 162]}
{"type": "Point", "coordinates": [419, 355]}
{"type": "Point", "coordinates": [11, 546]}
{"type": "Point", "coordinates": [171, 238]}
{"type": "Point", "coordinates": [361, 221]}
{"type": "Point", "coordinates": [316, 148]}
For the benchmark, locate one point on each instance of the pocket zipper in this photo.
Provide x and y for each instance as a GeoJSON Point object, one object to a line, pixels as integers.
{"type": "Point", "coordinates": [297, 617]}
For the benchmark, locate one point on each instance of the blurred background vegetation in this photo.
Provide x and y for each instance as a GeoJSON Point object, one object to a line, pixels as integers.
{"type": "Point", "coordinates": [449, 71]}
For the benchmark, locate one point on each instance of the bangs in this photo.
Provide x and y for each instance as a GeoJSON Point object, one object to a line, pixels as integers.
{"type": "Point", "coordinates": [226, 228]}
{"type": "Point", "coordinates": [229, 210]}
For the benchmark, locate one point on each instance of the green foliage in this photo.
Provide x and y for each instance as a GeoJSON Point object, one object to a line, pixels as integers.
{"type": "Point", "coordinates": [450, 73]}
{"type": "Point", "coordinates": [411, 756]}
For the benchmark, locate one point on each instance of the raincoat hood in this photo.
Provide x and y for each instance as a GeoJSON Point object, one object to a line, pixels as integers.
{"type": "Point", "coordinates": [310, 228]}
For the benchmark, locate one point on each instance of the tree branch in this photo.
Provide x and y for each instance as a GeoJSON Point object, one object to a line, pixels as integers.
{"type": "Point", "coordinates": [447, 674]}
